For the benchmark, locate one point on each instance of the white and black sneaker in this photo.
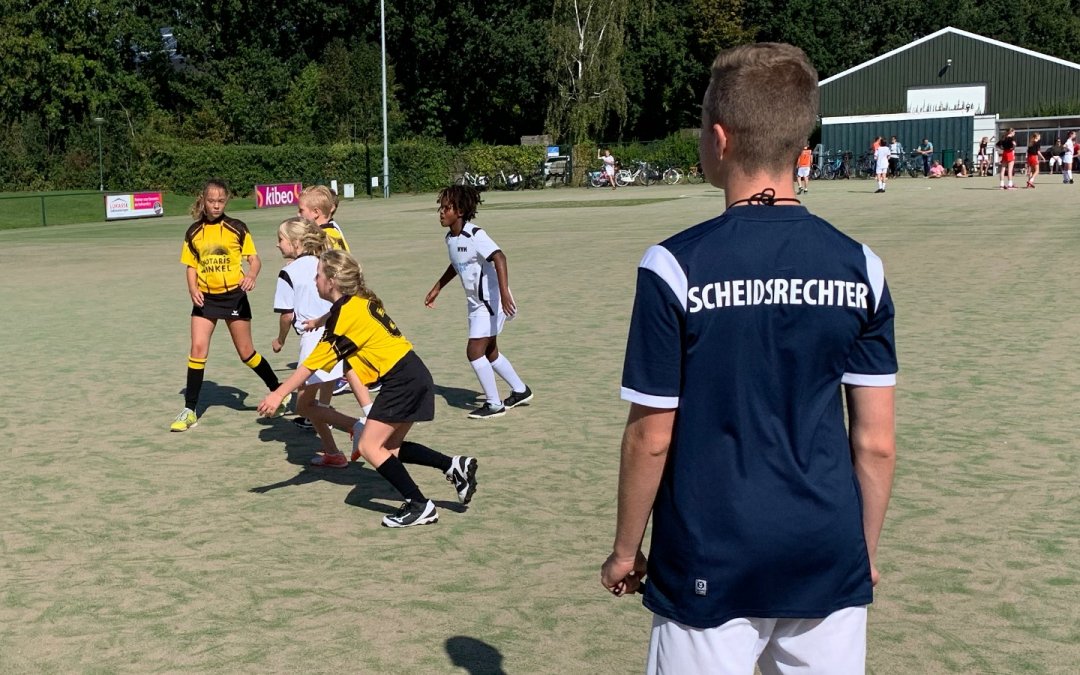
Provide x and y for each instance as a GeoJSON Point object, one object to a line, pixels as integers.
{"type": "Point", "coordinates": [342, 387]}
{"type": "Point", "coordinates": [303, 423]}
{"type": "Point", "coordinates": [413, 513]}
{"type": "Point", "coordinates": [516, 398]}
{"type": "Point", "coordinates": [462, 474]}
{"type": "Point", "coordinates": [487, 411]}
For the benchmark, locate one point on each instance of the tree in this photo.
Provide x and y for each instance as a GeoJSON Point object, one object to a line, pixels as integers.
{"type": "Point", "coordinates": [587, 38]}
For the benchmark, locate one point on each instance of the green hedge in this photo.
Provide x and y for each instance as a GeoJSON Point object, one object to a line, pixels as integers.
{"type": "Point", "coordinates": [416, 165]}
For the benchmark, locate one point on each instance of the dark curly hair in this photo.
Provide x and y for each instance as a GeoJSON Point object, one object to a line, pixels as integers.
{"type": "Point", "coordinates": [464, 198]}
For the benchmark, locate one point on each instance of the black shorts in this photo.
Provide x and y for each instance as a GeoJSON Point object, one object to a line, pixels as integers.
{"type": "Point", "coordinates": [231, 305]}
{"type": "Point", "coordinates": [407, 394]}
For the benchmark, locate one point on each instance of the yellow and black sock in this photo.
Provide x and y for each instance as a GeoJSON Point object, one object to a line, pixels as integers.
{"type": "Point", "coordinates": [262, 368]}
{"type": "Point", "coordinates": [196, 368]}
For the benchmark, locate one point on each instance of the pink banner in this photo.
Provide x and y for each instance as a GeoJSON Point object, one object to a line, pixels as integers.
{"type": "Point", "coordinates": [280, 194]}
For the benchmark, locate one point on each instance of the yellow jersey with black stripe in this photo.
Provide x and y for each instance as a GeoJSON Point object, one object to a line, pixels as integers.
{"type": "Point", "coordinates": [336, 236]}
{"type": "Point", "coordinates": [216, 251]}
{"type": "Point", "coordinates": [359, 332]}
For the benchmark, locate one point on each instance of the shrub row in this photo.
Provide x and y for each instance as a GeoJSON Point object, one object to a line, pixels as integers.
{"type": "Point", "coordinates": [417, 165]}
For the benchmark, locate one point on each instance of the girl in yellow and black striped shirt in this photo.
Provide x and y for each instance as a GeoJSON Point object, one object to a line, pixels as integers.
{"type": "Point", "coordinates": [359, 332]}
{"type": "Point", "coordinates": [215, 249]}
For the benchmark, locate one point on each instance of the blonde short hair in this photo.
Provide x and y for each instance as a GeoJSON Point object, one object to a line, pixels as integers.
{"type": "Point", "coordinates": [319, 197]}
{"type": "Point", "coordinates": [765, 95]}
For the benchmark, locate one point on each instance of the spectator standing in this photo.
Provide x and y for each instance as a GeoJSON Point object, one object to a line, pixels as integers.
{"type": "Point", "coordinates": [926, 149]}
{"type": "Point", "coordinates": [896, 150]}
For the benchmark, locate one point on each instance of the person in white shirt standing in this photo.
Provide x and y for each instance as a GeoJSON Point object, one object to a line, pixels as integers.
{"type": "Point", "coordinates": [1067, 158]}
{"type": "Point", "coordinates": [481, 265]}
{"type": "Point", "coordinates": [881, 157]}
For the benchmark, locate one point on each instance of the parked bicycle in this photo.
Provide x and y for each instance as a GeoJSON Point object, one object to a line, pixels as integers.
{"type": "Point", "coordinates": [905, 165]}
{"type": "Point", "coordinates": [641, 174]}
{"type": "Point", "coordinates": [866, 166]}
{"type": "Point", "coordinates": [597, 178]}
{"type": "Point", "coordinates": [672, 175]}
{"type": "Point", "coordinates": [837, 165]}
{"type": "Point", "coordinates": [508, 181]}
{"type": "Point", "coordinates": [694, 174]}
{"type": "Point", "coordinates": [477, 180]}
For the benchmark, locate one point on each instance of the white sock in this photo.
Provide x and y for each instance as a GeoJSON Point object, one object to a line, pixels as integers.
{"type": "Point", "coordinates": [486, 374]}
{"type": "Point", "coordinates": [506, 371]}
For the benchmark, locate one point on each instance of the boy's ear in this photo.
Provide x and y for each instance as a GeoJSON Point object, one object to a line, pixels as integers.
{"type": "Point", "coordinates": [720, 141]}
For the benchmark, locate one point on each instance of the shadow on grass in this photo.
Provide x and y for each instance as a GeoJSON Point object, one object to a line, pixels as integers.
{"type": "Point", "coordinates": [367, 485]}
{"type": "Point", "coordinates": [475, 656]}
{"type": "Point", "coordinates": [456, 397]}
{"type": "Point", "coordinates": [213, 394]}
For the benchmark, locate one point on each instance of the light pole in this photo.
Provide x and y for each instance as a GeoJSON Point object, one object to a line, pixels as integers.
{"type": "Point", "coordinates": [98, 121]}
{"type": "Point", "coordinates": [385, 158]}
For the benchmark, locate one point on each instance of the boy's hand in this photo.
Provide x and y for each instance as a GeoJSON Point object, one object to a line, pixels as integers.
{"type": "Point", "coordinates": [509, 307]}
{"type": "Point", "coordinates": [276, 345]}
{"type": "Point", "coordinates": [429, 299]}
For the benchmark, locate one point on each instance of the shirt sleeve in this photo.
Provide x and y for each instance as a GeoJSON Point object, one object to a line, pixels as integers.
{"type": "Point", "coordinates": [248, 247]}
{"type": "Point", "coordinates": [872, 362]}
{"type": "Point", "coordinates": [485, 245]}
{"type": "Point", "coordinates": [187, 257]}
{"type": "Point", "coordinates": [652, 369]}
{"type": "Point", "coordinates": [284, 295]}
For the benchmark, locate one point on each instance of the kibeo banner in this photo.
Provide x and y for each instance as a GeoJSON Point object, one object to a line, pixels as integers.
{"type": "Point", "coordinates": [279, 194]}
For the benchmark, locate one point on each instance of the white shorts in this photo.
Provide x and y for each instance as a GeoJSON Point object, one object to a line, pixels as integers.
{"type": "Point", "coordinates": [1066, 161]}
{"type": "Point", "coordinates": [308, 340]}
{"type": "Point", "coordinates": [486, 324]}
{"type": "Point", "coordinates": [883, 168]}
{"type": "Point", "coordinates": [803, 171]}
{"type": "Point", "coordinates": [835, 644]}
{"type": "Point", "coordinates": [1055, 159]}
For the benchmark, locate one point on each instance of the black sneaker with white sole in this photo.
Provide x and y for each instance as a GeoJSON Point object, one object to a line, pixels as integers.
{"type": "Point", "coordinates": [462, 474]}
{"type": "Point", "coordinates": [516, 398]}
{"type": "Point", "coordinates": [487, 411]}
{"type": "Point", "coordinates": [413, 513]}
{"type": "Point", "coordinates": [303, 423]}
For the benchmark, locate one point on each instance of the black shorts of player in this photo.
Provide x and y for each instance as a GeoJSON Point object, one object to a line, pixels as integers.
{"type": "Point", "coordinates": [407, 394]}
{"type": "Point", "coordinates": [231, 305]}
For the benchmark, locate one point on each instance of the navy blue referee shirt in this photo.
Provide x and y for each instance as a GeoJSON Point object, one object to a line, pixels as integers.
{"type": "Point", "coordinates": [748, 325]}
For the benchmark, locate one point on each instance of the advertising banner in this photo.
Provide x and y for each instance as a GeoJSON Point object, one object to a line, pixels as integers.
{"type": "Point", "coordinates": [134, 205]}
{"type": "Point", "coordinates": [280, 194]}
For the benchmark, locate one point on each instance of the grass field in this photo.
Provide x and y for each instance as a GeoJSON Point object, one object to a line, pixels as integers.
{"type": "Point", "coordinates": [24, 209]}
{"type": "Point", "coordinates": [125, 548]}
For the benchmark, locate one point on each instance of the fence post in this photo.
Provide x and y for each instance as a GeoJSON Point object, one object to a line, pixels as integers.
{"type": "Point", "coordinates": [43, 223]}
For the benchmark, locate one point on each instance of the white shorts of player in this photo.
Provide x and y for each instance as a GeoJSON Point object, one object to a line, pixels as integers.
{"type": "Point", "coordinates": [485, 324]}
{"type": "Point", "coordinates": [308, 340]}
{"type": "Point", "coordinates": [803, 171]}
{"type": "Point", "coordinates": [1067, 160]}
{"type": "Point", "coordinates": [883, 168]}
{"type": "Point", "coordinates": [835, 645]}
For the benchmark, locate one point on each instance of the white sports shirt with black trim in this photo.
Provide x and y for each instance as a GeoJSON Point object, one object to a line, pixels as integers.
{"type": "Point", "coordinates": [748, 325]}
{"type": "Point", "coordinates": [469, 254]}
{"type": "Point", "coordinates": [296, 292]}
